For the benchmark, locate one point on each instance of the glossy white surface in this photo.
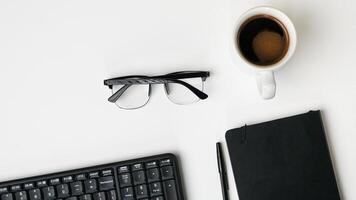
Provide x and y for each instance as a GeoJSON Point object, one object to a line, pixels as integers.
{"type": "Point", "coordinates": [54, 56]}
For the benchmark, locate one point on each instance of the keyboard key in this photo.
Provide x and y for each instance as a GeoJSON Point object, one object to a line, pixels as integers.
{"type": "Point", "coordinates": [123, 169]}
{"type": "Point", "coordinates": [141, 191]}
{"type": "Point", "coordinates": [106, 183]}
{"type": "Point", "coordinates": [137, 167]}
{"type": "Point", "coordinates": [138, 177]}
{"type": "Point", "coordinates": [21, 195]}
{"type": "Point", "coordinates": [48, 193]}
{"type": "Point", "coordinates": [165, 162]}
{"type": "Point", "coordinates": [54, 181]}
{"type": "Point", "coordinates": [90, 186]}
{"type": "Point", "coordinates": [157, 198]}
{"type": "Point", "coordinates": [67, 179]}
{"type": "Point", "coordinates": [107, 172]}
{"type": "Point", "coordinates": [63, 191]}
{"type": "Point", "coordinates": [152, 175]}
{"type": "Point", "coordinates": [151, 164]}
{"type": "Point", "coordinates": [94, 175]}
{"type": "Point", "coordinates": [28, 186]}
{"type": "Point", "coordinates": [76, 188]}
{"type": "Point", "coordinates": [72, 198]}
{"type": "Point", "coordinates": [167, 172]}
{"type": "Point", "coordinates": [7, 196]}
{"type": "Point", "coordinates": [80, 177]}
{"type": "Point", "coordinates": [99, 196]}
{"type": "Point", "coordinates": [4, 190]}
{"type": "Point", "coordinates": [127, 193]}
{"type": "Point", "coordinates": [170, 190]}
{"type": "Point", "coordinates": [125, 180]}
{"type": "Point", "coordinates": [35, 194]}
{"type": "Point", "coordinates": [41, 184]}
{"type": "Point", "coordinates": [85, 197]}
{"type": "Point", "coordinates": [156, 189]}
{"type": "Point", "coordinates": [112, 195]}
{"type": "Point", "coordinates": [15, 188]}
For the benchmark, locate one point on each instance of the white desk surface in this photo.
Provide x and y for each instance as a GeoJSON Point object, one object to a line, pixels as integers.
{"type": "Point", "coordinates": [54, 56]}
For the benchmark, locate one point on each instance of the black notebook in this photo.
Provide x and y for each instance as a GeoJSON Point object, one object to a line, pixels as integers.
{"type": "Point", "coordinates": [284, 159]}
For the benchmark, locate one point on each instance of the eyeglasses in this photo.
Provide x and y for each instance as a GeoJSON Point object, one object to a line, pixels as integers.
{"type": "Point", "coordinates": [132, 92]}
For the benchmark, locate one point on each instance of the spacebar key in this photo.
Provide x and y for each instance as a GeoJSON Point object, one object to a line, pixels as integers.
{"type": "Point", "coordinates": [170, 190]}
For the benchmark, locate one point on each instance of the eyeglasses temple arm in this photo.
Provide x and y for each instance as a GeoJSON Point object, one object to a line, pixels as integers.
{"type": "Point", "coordinates": [182, 75]}
{"type": "Point", "coordinates": [197, 92]}
{"type": "Point", "coordinates": [113, 98]}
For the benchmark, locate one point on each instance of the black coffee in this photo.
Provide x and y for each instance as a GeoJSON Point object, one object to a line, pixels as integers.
{"type": "Point", "coordinates": [263, 40]}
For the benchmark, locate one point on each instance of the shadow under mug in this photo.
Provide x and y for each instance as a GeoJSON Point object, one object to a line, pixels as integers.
{"type": "Point", "coordinates": [264, 75]}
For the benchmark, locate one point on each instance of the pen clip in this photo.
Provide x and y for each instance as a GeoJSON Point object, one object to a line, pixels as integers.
{"type": "Point", "coordinates": [226, 181]}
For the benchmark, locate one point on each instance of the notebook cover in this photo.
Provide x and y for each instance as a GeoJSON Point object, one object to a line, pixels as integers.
{"type": "Point", "coordinates": [284, 159]}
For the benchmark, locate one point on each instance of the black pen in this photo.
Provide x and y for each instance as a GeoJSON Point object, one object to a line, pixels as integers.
{"type": "Point", "coordinates": [222, 172]}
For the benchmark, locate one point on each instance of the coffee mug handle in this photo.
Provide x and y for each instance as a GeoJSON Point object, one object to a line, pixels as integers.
{"type": "Point", "coordinates": [266, 84]}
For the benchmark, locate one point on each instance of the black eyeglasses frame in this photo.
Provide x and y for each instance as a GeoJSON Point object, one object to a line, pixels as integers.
{"type": "Point", "coordinates": [175, 77]}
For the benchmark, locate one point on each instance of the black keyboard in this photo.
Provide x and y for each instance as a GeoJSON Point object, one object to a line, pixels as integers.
{"type": "Point", "coordinates": [150, 178]}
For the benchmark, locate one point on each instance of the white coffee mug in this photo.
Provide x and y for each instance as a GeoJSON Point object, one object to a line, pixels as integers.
{"type": "Point", "coordinates": [264, 75]}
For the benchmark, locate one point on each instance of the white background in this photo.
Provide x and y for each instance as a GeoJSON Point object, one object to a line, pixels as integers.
{"type": "Point", "coordinates": [54, 56]}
